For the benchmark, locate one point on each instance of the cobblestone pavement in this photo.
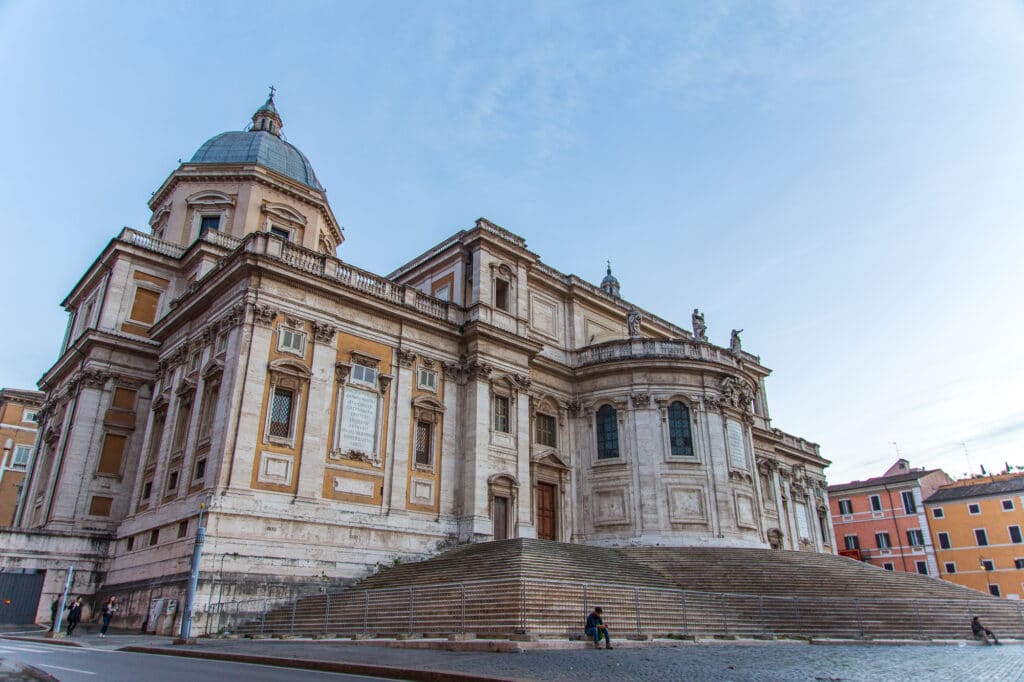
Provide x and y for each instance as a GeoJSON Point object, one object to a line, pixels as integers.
{"type": "Point", "coordinates": [720, 662]}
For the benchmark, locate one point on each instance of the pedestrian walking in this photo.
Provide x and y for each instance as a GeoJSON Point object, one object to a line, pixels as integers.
{"type": "Point", "coordinates": [108, 613]}
{"type": "Point", "coordinates": [53, 613]}
{"type": "Point", "coordinates": [596, 628]}
{"type": "Point", "coordinates": [74, 614]}
{"type": "Point", "coordinates": [981, 632]}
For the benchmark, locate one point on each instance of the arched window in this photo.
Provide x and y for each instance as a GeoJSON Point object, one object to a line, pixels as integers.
{"type": "Point", "coordinates": [607, 433]}
{"type": "Point", "coordinates": [680, 438]}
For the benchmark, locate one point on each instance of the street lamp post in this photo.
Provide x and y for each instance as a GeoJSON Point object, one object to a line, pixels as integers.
{"type": "Point", "coordinates": [984, 568]}
{"type": "Point", "coordinates": [193, 578]}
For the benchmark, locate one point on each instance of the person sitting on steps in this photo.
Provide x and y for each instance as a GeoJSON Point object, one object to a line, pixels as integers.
{"type": "Point", "coordinates": [596, 628]}
{"type": "Point", "coordinates": [982, 632]}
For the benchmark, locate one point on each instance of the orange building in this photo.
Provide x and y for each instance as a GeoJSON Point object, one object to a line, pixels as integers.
{"type": "Point", "coordinates": [19, 411]}
{"type": "Point", "coordinates": [977, 528]}
{"type": "Point", "coordinates": [882, 521]}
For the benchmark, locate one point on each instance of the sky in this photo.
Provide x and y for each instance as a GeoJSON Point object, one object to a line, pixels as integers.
{"type": "Point", "coordinates": [839, 180]}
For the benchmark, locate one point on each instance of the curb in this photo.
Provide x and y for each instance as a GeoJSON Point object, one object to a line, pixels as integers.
{"type": "Point", "coordinates": [42, 640]}
{"type": "Point", "coordinates": [323, 666]}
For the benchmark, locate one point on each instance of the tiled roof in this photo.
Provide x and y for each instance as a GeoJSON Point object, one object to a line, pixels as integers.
{"type": "Point", "coordinates": [983, 488]}
{"type": "Point", "coordinates": [881, 480]}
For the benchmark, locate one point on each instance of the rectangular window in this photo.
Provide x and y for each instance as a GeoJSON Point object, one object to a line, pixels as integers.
{"type": "Point", "coordinates": [882, 540]}
{"type": "Point", "coordinates": [546, 430]}
{"type": "Point", "coordinates": [1018, 563]}
{"type": "Point", "coordinates": [281, 413]}
{"type": "Point", "coordinates": [938, 513]}
{"type": "Point", "coordinates": [422, 445]}
{"type": "Point", "coordinates": [363, 374]}
{"type": "Point", "coordinates": [922, 567]}
{"type": "Point", "coordinates": [129, 543]}
{"type": "Point", "coordinates": [852, 542]}
{"type": "Point", "coordinates": [876, 503]}
{"type": "Point", "coordinates": [845, 506]}
{"type": "Point", "coordinates": [124, 398]}
{"type": "Point", "coordinates": [209, 222]}
{"type": "Point", "coordinates": [1007, 505]}
{"type": "Point", "coordinates": [888, 566]}
{"type": "Point", "coordinates": [200, 469]}
{"type": "Point", "coordinates": [147, 489]}
{"type": "Point", "coordinates": [159, 419]}
{"type": "Point", "coordinates": [909, 506]}
{"type": "Point", "coordinates": [181, 426]}
{"type": "Point", "coordinates": [915, 538]}
{"type": "Point", "coordinates": [291, 341]}
{"type": "Point", "coordinates": [172, 482]}
{"type": "Point", "coordinates": [183, 529]}
{"type": "Point", "coordinates": [154, 536]}
{"type": "Point", "coordinates": [443, 292]}
{"type": "Point", "coordinates": [501, 294]}
{"type": "Point", "coordinates": [981, 536]}
{"type": "Point", "coordinates": [988, 565]}
{"type": "Point", "coordinates": [22, 453]}
{"type": "Point", "coordinates": [994, 590]}
{"type": "Point", "coordinates": [501, 421]}
{"type": "Point", "coordinates": [1015, 536]}
{"type": "Point", "coordinates": [974, 509]}
{"type": "Point", "coordinates": [944, 540]}
{"type": "Point", "coordinates": [111, 454]}
{"type": "Point", "coordinates": [144, 306]}
{"type": "Point", "coordinates": [950, 567]}
{"type": "Point", "coordinates": [280, 232]}
{"type": "Point", "coordinates": [222, 343]}
{"type": "Point", "coordinates": [100, 506]}
{"type": "Point", "coordinates": [30, 416]}
{"type": "Point", "coordinates": [426, 380]}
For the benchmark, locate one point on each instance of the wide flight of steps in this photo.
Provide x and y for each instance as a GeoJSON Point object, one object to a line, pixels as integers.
{"type": "Point", "coordinates": [547, 588]}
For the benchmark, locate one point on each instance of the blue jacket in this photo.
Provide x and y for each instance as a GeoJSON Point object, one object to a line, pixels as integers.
{"type": "Point", "coordinates": [593, 620]}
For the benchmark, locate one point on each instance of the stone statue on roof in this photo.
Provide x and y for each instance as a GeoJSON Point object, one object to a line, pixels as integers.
{"type": "Point", "coordinates": [699, 328]}
{"type": "Point", "coordinates": [734, 341]}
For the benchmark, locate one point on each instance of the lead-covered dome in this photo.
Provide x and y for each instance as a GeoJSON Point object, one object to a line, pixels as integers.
{"type": "Point", "coordinates": [261, 144]}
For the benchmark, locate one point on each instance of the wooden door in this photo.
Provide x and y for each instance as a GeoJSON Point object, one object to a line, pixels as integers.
{"type": "Point", "coordinates": [546, 517]}
{"type": "Point", "coordinates": [500, 518]}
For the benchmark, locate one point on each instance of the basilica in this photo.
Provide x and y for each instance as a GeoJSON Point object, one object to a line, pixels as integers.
{"type": "Point", "coordinates": [328, 419]}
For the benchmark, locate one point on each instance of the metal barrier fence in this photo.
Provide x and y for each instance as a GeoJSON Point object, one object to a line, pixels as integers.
{"type": "Point", "coordinates": [554, 608]}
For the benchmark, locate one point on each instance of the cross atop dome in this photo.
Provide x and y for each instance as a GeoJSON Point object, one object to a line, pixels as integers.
{"type": "Point", "coordinates": [266, 117]}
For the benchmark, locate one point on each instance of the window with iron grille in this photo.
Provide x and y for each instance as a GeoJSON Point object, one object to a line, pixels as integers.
{"type": "Point", "coordinates": [422, 445]}
{"type": "Point", "coordinates": [501, 421]}
{"type": "Point", "coordinates": [680, 437]}
{"type": "Point", "coordinates": [281, 413]}
{"type": "Point", "coordinates": [546, 433]}
{"type": "Point", "coordinates": [607, 433]}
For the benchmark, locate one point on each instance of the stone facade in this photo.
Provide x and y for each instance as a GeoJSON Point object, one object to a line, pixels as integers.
{"type": "Point", "coordinates": [331, 419]}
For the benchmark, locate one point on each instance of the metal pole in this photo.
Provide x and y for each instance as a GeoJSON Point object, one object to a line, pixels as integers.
{"type": "Point", "coordinates": [291, 628]}
{"type": "Point", "coordinates": [327, 613]}
{"type": "Point", "coordinates": [412, 607]}
{"type": "Point", "coordinates": [193, 578]}
{"type": "Point", "coordinates": [636, 608]}
{"type": "Point", "coordinates": [463, 586]}
{"type": "Point", "coordinates": [63, 598]}
{"type": "Point", "coordinates": [263, 618]}
{"type": "Point", "coordinates": [366, 612]}
{"type": "Point", "coordinates": [725, 617]}
{"type": "Point", "coordinates": [686, 626]}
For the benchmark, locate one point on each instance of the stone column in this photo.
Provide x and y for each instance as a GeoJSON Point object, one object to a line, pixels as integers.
{"type": "Point", "coordinates": [317, 435]}
{"type": "Point", "coordinates": [249, 396]}
{"type": "Point", "coordinates": [526, 526]}
{"type": "Point", "coordinates": [397, 484]}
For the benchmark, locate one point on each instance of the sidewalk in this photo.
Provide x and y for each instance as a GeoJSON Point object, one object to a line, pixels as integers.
{"type": "Point", "coordinates": [477, 660]}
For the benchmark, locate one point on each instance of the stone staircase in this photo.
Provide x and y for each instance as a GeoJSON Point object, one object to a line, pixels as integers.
{"type": "Point", "coordinates": [546, 588]}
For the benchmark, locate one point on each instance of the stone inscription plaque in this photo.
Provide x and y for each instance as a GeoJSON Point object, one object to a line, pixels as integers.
{"type": "Point", "coordinates": [737, 445]}
{"type": "Point", "coordinates": [358, 431]}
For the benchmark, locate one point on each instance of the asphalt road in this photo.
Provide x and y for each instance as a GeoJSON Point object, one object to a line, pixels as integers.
{"type": "Point", "coordinates": [86, 664]}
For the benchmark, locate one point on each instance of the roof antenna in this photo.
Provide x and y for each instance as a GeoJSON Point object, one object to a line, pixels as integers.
{"type": "Point", "coordinates": [967, 456]}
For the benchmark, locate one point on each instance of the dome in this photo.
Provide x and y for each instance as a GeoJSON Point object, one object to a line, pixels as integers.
{"type": "Point", "coordinates": [609, 284]}
{"type": "Point", "coordinates": [262, 145]}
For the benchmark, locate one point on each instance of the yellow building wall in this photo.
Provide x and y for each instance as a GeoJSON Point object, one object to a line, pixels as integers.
{"type": "Point", "coordinates": [965, 552]}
